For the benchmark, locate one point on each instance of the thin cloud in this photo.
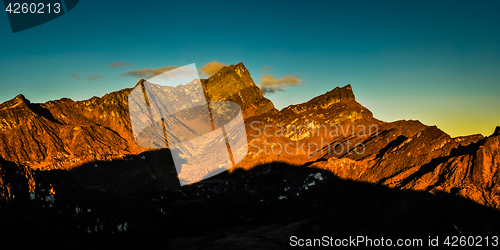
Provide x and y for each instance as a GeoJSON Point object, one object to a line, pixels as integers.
{"type": "Point", "coordinates": [266, 68]}
{"type": "Point", "coordinates": [268, 84]}
{"type": "Point", "coordinates": [212, 68]}
{"type": "Point", "coordinates": [75, 75]}
{"type": "Point", "coordinates": [94, 77]}
{"type": "Point", "coordinates": [149, 72]}
{"type": "Point", "coordinates": [119, 64]}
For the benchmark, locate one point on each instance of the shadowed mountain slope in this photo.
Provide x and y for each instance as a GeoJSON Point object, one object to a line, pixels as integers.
{"type": "Point", "coordinates": [260, 208]}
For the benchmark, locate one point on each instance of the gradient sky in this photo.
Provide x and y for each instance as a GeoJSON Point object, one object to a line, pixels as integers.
{"type": "Point", "coordinates": [435, 61]}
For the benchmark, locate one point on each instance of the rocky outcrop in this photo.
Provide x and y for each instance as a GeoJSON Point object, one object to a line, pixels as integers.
{"type": "Point", "coordinates": [233, 83]}
{"type": "Point", "coordinates": [333, 96]}
{"type": "Point", "coordinates": [63, 134]}
{"type": "Point", "coordinates": [466, 140]}
{"type": "Point", "coordinates": [306, 132]}
{"type": "Point", "coordinates": [497, 131]}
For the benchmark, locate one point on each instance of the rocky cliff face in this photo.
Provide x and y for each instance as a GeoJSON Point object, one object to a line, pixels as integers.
{"type": "Point", "coordinates": [64, 134]}
{"type": "Point", "coordinates": [305, 132]}
{"type": "Point", "coordinates": [233, 83]}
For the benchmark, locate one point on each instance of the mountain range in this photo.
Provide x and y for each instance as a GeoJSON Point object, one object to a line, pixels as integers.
{"type": "Point", "coordinates": [86, 149]}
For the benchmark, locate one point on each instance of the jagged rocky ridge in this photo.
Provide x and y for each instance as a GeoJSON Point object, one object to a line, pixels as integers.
{"type": "Point", "coordinates": [64, 134]}
{"type": "Point", "coordinates": [63, 147]}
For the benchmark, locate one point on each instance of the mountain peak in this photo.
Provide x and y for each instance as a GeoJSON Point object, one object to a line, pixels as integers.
{"type": "Point", "coordinates": [333, 96]}
{"type": "Point", "coordinates": [237, 71]}
{"type": "Point", "coordinates": [20, 97]}
{"type": "Point", "coordinates": [239, 66]}
{"type": "Point", "coordinates": [497, 131]}
{"type": "Point", "coordinates": [19, 100]}
{"type": "Point", "coordinates": [344, 93]}
{"type": "Point", "coordinates": [234, 83]}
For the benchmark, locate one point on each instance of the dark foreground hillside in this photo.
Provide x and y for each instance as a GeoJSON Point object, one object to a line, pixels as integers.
{"type": "Point", "coordinates": [260, 208]}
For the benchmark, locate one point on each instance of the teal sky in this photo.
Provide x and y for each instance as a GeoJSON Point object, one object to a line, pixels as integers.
{"type": "Point", "coordinates": [435, 61]}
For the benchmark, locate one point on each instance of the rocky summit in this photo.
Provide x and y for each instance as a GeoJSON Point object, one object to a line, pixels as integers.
{"type": "Point", "coordinates": [71, 170]}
